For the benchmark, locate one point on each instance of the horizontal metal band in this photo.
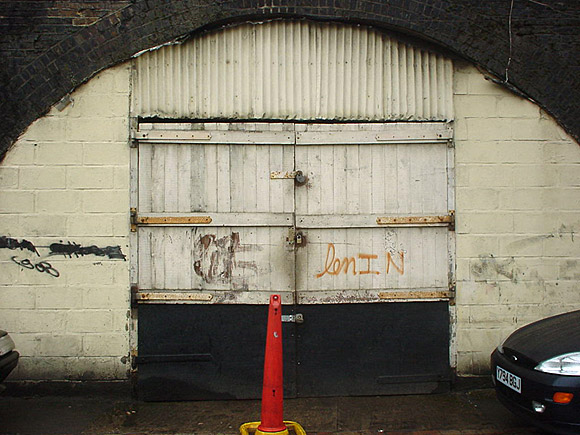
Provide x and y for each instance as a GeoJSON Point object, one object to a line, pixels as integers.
{"type": "Point", "coordinates": [149, 220]}
{"type": "Point", "coordinates": [416, 295]}
{"type": "Point", "coordinates": [172, 296]}
{"type": "Point", "coordinates": [416, 220]}
{"type": "Point", "coordinates": [213, 137]}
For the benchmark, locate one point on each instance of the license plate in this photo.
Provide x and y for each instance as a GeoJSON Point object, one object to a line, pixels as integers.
{"type": "Point", "coordinates": [508, 379]}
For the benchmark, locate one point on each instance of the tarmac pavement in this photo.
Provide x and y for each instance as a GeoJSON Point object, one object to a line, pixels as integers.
{"type": "Point", "coordinates": [50, 410]}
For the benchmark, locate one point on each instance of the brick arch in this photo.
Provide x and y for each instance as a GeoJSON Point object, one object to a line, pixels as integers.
{"type": "Point", "coordinates": [540, 56]}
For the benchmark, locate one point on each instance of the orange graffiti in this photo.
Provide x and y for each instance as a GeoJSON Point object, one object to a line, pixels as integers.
{"type": "Point", "coordinates": [400, 269]}
{"type": "Point", "coordinates": [334, 265]}
{"type": "Point", "coordinates": [368, 257]}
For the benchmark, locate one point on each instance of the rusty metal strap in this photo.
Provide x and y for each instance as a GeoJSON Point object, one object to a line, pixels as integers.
{"type": "Point", "coordinates": [171, 296]}
{"type": "Point", "coordinates": [418, 220]}
{"type": "Point", "coordinates": [416, 295]}
{"type": "Point", "coordinates": [150, 220]}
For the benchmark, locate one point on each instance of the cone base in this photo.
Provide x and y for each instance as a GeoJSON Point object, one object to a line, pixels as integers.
{"type": "Point", "coordinates": [252, 428]}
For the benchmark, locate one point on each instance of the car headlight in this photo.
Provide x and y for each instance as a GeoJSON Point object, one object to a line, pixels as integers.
{"type": "Point", "coordinates": [567, 364]}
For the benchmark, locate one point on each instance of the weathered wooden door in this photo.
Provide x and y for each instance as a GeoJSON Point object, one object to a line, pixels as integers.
{"type": "Point", "coordinates": [373, 266]}
{"type": "Point", "coordinates": [341, 220]}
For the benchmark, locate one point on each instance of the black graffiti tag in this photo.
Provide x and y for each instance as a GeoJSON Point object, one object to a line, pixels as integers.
{"type": "Point", "coordinates": [69, 249]}
{"type": "Point", "coordinates": [8, 243]}
{"type": "Point", "coordinates": [42, 267]}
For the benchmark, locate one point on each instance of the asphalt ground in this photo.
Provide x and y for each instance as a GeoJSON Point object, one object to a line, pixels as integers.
{"type": "Point", "coordinates": [56, 410]}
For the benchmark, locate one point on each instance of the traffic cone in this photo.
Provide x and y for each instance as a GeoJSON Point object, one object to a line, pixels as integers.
{"type": "Point", "coordinates": [272, 422]}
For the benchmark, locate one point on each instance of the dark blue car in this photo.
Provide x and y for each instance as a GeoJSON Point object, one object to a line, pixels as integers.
{"type": "Point", "coordinates": [536, 373]}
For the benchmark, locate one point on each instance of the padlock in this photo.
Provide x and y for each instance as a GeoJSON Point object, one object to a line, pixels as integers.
{"type": "Point", "coordinates": [300, 179]}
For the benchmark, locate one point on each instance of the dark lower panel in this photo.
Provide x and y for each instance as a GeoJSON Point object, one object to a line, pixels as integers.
{"type": "Point", "coordinates": [373, 349]}
{"type": "Point", "coordinates": [206, 352]}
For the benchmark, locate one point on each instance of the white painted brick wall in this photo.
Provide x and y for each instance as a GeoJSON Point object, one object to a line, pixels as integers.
{"type": "Point", "coordinates": [518, 204]}
{"type": "Point", "coordinates": [67, 180]}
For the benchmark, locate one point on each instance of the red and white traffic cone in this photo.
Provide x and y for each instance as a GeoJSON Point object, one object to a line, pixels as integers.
{"type": "Point", "coordinates": [272, 422]}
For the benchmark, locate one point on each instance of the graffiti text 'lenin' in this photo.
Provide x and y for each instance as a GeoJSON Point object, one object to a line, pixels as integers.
{"type": "Point", "coordinates": [334, 265]}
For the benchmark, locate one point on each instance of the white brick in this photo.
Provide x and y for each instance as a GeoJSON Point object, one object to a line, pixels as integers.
{"type": "Point", "coordinates": [13, 274]}
{"type": "Point", "coordinates": [106, 297]}
{"type": "Point", "coordinates": [489, 175]}
{"type": "Point", "coordinates": [90, 271]}
{"type": "Point", "coordinates": [42, 177]}
{"type": "Point", "coordinates": [106, 201]}
{"type": "Point", "coordinates": [116, 153]}
{"type": "Point", "coordinates": [59, 345]}
{"type": "Point", "coordinates": [102, 106]}
{"type": "Point", "coordinates": [475, 293]}
{"type": "Point", "coordinates": [474, 246]}
{"type": "Point", "coordinates": [42, 368]}
{"type": "Point", "coordinates": [43, 225]}
{"type": "Point", "coordinates": [8, 177]}
{"type": "Point", "coordinates": [16, 201]}
{"type": "Point", "coordinates": [477, 152]}
{"type": "Point", "coordinates": [87, 225]}
{"type": "Point", "coordinates": [484, 223]}
{"type": "Point", "coordinates": [58, 298]}
{"type": "Point", "coordinates": [25, 344]}
{"type": "Point", "coordinates": [96, 368]}
{"type": "Point", "coordinates": [89, 321]}
{"type": "Point", "coordinates": [490, 129]}
{"type": "Point", "coordinates": [58, 201]}
{"type": "Point", "coordinates": [21, 153]}
{"type": "Point", "coordinates": [17, 297]}
{"type": "Point", "coordinates": [59, 153]}
{"type": "Point", "coordinates": [562, 198]}
{"type": "Point", "coordinates": [510, 106]}
{"type": "Point", "coordinates": [521, 246]}
{"type": "Point", "coordinates": [31, 321]}
{"type": "Point", "coordinates": [535, 175]}
{"type": "Point", "coordinates": [476, 106]}
{"type": "Point", "coordinates": [477, 199]}
{"type": "Point", "coordinates": [532, 129]}
{"type": "Point", "coordinates": [569, 175]}
{"type": "Point", "coordinates": [479, 340]}
{"type": "Point", "coordinates": [47, 129]}
{"type": "Point", "coordinates": [106, 344]}
{"type": "Point", "coordinates": [529, 293]}
{"type": "Point", "coordinates": [478, 85]}
{"type": "Point", "coordinates": [122, 178]}
{"type": "Point", "coordinates": [523, 198]}
{"type": "Point", "coordinates": [9, 224]}
{"type": "Point", "coordinates": [121, 320]}
{"type": "Point", "coordinates": [97, 130]}
{"type": "Point", "coordinates": [91, 177]}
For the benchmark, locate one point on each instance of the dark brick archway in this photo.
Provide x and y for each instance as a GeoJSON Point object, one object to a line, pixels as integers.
{"type": "Point", "coordinates": [51, 47]}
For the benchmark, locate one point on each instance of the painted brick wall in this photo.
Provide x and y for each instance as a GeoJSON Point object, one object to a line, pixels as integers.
{"type": "Point", "coordinates": [67, 180]}
{"type": "Point", "coordinates": [64, 188]}
{"type": "Point", "coordinates": [518, 211]}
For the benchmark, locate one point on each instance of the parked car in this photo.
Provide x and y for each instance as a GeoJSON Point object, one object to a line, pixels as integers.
{"type": "Point", "coordinates": [8, 356]}
{"type": "Point", "coordinates": [536, 373]}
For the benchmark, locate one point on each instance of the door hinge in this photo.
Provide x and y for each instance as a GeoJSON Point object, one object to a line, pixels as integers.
{"type": "Point", "coordinates": [133, 219]}
{"type": "Point", "coordinates": [292, 318]}
{"type": "Point", "coordinates": [134, 291]}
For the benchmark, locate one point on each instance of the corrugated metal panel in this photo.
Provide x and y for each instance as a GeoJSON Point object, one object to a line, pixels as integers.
{"type": "Point", "coordinates": [294, 70]}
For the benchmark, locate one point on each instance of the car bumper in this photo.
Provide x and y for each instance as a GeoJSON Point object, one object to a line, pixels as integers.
{"type": "Point", "coordinates": [7, 363]}
{"type": "Point", "coordinates": [539, 387]}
